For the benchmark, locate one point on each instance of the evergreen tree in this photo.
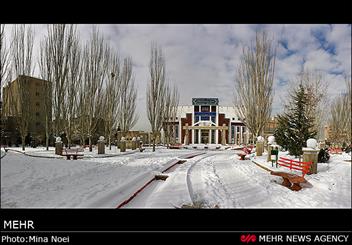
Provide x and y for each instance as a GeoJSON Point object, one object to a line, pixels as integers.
{"type": "Point", "coordinates": [280, 132]}
{"type": "Point", "coordinates": [295, 126]}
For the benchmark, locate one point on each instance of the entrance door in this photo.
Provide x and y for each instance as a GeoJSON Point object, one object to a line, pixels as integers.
{"type": "Point", "coordinates": [204, 137]}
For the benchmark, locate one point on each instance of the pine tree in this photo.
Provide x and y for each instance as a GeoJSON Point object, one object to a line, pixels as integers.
{"type": "Point", "coordinates": [280, 133]}
{"type": "Point", "coordinates": [295, 126]}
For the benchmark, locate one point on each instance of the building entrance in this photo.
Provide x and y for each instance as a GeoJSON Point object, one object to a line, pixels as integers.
{"type": "Point", "coordinates": [204, 137]}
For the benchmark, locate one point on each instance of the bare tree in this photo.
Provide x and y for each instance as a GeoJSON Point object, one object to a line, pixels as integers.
{"type": "Point", "coordinates": [112, 94]}
{"type": "Point", "coordinates": [156, 91]}
{"type": "Point", "coordinates": [5, 71]}
{"type": "Point", "coordinates": [170, 111]}
{"type": "Point", "coordinates": [22, 66]}
{"type": "Point", "coordinates": [82, 117]}
{"type": "Point", "coordinates": [74, 78]}
{"type": "Point", "coordinates": [340, 120]}
{"type": "Point", "coordinates": [45, 68]}
{"type": "Point", "coordinates": [127, 104]}
{"type": "Point", "coordinates": [96, 62]}
{"type": "Point", "coordinates": [173, 114]}
{"type": "Point", "coordinates": [166, 115]}
{"type": "Point", "coordinates": [254, 83]}
{"type": "Point", "coordinates": [60, 40]}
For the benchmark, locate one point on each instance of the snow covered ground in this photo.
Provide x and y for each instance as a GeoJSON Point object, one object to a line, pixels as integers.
{"type": "Point", "coordinates": [214, 179]}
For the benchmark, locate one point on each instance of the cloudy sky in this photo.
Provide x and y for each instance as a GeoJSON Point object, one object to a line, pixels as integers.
{"type": "Point", "coordinates": [202, 59]}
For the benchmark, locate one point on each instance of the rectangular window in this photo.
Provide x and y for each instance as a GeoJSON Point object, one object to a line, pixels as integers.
{"type": "Point", "coordinates": [213, 119]}
{"type": "Point", "coordinates": [196, 108]}
{"type": "Point", "coordinates": [196, 119]}
{"type": "Point", "coordinates": [213, 108]}
{"type": "Point", "coordinates": [205, 108]}
{"type": "Point", "coordinates": [196, 132]}
{"type": "Point", "coordinates": [176, 131]}
{"type": "Point", "coordinates": [232, 131]}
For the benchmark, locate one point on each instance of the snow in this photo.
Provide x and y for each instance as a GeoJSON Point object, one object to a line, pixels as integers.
{"type": "Point", "coordinates": [97, 182]}
{"type": "Point", "coordinates": [211, 177]}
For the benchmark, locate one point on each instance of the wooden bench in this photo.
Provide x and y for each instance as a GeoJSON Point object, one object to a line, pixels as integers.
{"type": "Point", "coordinates": [291, 181]}
{"type": "Point", "coordinates": [294, 164]}
{"type": "Point", "coordinates": [74, 153]}
{"type": "Point", "coordinates": [176, 146]}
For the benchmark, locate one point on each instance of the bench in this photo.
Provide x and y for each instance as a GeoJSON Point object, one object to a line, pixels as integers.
{"type": "Point", "coordinates": [74, 153]}
{"type": "Point", "coordinates": [176, 146]}
{"type": "Point", "coordinates": [291, 181]}
{"type": "Point", "coordinates": [296, 165]}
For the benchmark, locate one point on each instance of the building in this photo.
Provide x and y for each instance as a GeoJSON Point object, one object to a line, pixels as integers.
{"type": "Point", "coordinates": [205, 122]}
{"type": "Point", "coordinates": [270, 127]}
{"type": "Point", "coordinates": [34, 90]}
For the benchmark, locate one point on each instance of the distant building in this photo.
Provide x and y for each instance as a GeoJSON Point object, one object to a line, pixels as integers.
{"type": "Point", "coordinates": [270, 127]}
{"type": "Point", "coordinates": [35, 89]}
{"type": "Point", "coordinates": [205, 122]}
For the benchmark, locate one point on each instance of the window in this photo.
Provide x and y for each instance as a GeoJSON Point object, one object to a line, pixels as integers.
{"type": "Point", "coordinates": [205, 108]}
{"type": "Point", "coordinates": [213, 108]}
{"type": "Point", "coordinates": [196, 133]}
{"type": "Point", "coordinates": [196, 108]}
{"type": "Point", "coordinates": [176, 131]}
{"type": "Point", "coordinates": [204, 118]}
{"type": "Point", "coordinates": [213, 136]}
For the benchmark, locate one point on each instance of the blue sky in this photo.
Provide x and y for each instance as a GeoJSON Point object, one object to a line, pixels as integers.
{"type": "Point", "coordinates": [202, 59]}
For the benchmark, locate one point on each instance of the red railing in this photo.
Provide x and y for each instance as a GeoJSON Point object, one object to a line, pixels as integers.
{"type": "Point", "coordinates": [294, 164]}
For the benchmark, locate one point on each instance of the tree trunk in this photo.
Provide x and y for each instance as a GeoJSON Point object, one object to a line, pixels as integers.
{"type": "Point", "coordinates": [109, 142]}
{"type": "Point", "coordinates": [46, 133]}
{"type": "Point", "coordinates": [47, 142]}
{"type": "Point", "coordinates": [23, 142]}
{"type": "Point", "coordinates": [90, 144]}
{"type": "Point", "coordinates": [153, 140]}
